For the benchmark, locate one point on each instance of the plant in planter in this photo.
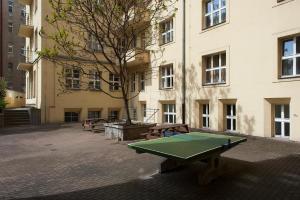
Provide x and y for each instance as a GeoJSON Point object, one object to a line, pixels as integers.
{"type": "Point", "coordinates": [100, 38]}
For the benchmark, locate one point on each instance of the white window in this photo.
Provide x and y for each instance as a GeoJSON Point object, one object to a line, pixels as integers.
{"type": "Point", "coordinates": [133, 82]}
{"type": "Point", "coordinates": [10, 48]}
{"type": "Point", "coordinates": [205, 115]}
{"type": "Point", "coordinates": [167, 31]}
{"type": "Point", "coordinates": [167, 77]}
{"type": "Point", "coordinates": [23, 12]}
{"type": "Point", "coordinates": [291, 57]}
{"type": "Point", "coordinates": [10, 27]}
{"type": "Point", "coordinates": [94, 44]}
{"type": "Point", "coordinates": [282, 120]}
{"type": "Point", "coordinates": [10, 7]}
{"type": "Point", "coordinates": [215, 12]}
{"type": "Point", "coordinates": [231, 117]}
{"type": "Point", "coordinates": [72, 78]}
{"type": "Point", "coordinates": [215, 69]}
{"type": "Point", "coordinates": [169, 113]}
{"type": "Point", "coordinates": [94, 82]}
{"type": "Point", "coordinates": [94, 114]}
{"type": "Point", "coordinates": [114, 82]}
{"type": "Point", "coordinates": [142, 81]}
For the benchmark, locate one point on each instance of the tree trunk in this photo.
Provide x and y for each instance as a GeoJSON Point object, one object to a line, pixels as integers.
{"type": "Point", "coordinates": [128, 119]}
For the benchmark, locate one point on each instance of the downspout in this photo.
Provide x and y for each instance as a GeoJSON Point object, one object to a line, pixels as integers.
{"type": "Point", "coordinates": [1, 38]}
{"type": "Point", "coordinates": [183, 65]}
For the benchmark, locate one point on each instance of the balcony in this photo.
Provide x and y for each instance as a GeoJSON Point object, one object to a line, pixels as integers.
{"type": "Point", "coordinates": [25, 2]}
{"type": "Point", "coordinates": [30, 58]}
{"type": "Point", "coordinates": [26, 30]}
{"type": "Point", "coordinates": [138, 57]}
{"type": "Point", "coordinates": [140, 21]}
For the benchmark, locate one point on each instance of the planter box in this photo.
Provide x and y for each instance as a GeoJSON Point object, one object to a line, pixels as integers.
{"type": "Point", "coordinates": [121, 132]}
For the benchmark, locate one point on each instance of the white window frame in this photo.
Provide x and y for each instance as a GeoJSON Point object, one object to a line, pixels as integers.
{"type": "Point", "coordinates": [10, 27]}
{"type": "Point", "coordinates": [282, 120]}
{"type": "Point", "coordinates": [167, 31]}
{"type": "Point", "coordinates": [205, 115]}
{"type": "Point", "coordinates": [168, 111]}
{"type": "Point", "coordinates": [231, 117]}
{"type": "Point", "coordinates": [294, 57]}
{"type": "Point", "coordinates": [165, 77]}
{"type": "Point", "coordinates": [94, 44]}
{"type": "Point", "coordinates": [114, 82]}
{"type": "Point", "coordinates": [94, 77]}
{"type": "Point", "coordinates": [72, 78]}
{"type": "Point", "coordinates": [142, 81]}
{"type": "Point", "coordinates": [133, 82]}
{"type": "Point", "coordinates": [219, 68]}
{"type": "Point", "coordinates": [214, 11]}
{"type": "Point", "coordinates": [10, 49]}
{"type": "Point", "coordinates": [10, 7]}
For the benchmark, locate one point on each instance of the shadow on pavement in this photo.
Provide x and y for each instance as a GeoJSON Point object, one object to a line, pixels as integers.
{"type": "Point", "coordinates": [270, 179]}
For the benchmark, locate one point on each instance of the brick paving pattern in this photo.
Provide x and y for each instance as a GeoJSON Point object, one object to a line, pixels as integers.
{"type": "Point", "coordinates": [66, 163]}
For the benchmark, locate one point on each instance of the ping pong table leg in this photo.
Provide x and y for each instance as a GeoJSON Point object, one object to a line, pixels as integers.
{"type": "Point", "coordinates": [212, 171]}
{"type": "Point", "coordinates": [169, 165]}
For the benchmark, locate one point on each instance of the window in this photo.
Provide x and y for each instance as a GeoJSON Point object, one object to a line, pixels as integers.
{"type": "Point", "coordinates": [231, 117]}
{"type": "Point", "coordinates": [114, 82]}
{"type": "Point", "coordinates": [144, 110]}
{"type": "Point", "coordinates": [167, 77]}
{"type": "Point", "coordinates": [142, 81]}
{"type": "Point", "coordinates": [10, 48]}
{"type": "Point", "coordinates": [10, 7]}
{"type": "Point", "coordinates": [23, 52]}
{"type": "Point", "coordinates": [94, 43]}
{"type": "Point", "coordinates": [215, 68]}
{"type": "Point", "coordinates": [169, 113]}
{"type": "Point", "coordinates": [205, 115]}
{"type": "Point", "coordinates": [71, 116]}
{"type": "Point", "coordinates": [23, 12]}
{"type": "Point", "coordinates": [94, 82]}
{"type": "Point", "coordinates": [10, 67]}
{"type": "Point", "coordinates": [133, 82]}
{"type": "Point", "coordinates": [113, 115]}
{"type": "Point", "coordinates": [215, 12]}
{"type": "Point", "coordinates": [291, 57]}
{"type": "Point", "coordinates": [94, 114]}
{"type": "Point", "coordinates": [10, 27]}
{"type": "Point", "coordinates": [36, 39]}
{"type": "Point", "coordinates": [282, 120]}
{"type": "Point", "coordinates": [72, 78]}
{"type": "Point", "coordinates": [167, 31]}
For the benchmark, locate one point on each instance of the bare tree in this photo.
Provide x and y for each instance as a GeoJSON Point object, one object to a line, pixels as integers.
{"type": "Point", "coordinates": [102, 34]}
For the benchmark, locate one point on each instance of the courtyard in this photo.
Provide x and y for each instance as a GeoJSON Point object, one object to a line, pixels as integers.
{"type": "Point", "coordinates": [64, 162]}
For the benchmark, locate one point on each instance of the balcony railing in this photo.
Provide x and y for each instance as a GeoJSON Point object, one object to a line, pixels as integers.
{"type": "Point", "coordinates": [30, 58]}
{"type": "Point", "coordinates": [26, 29]}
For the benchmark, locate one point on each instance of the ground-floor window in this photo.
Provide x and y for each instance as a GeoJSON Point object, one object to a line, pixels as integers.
{"type": "Point", "coordinates": [94, 114]}
{"type": "Point", "coordinates": [113, 115]}
{"type": "Point", "coordinates": [71, 116]}
{"type": "Point", "coordinates": [231, 117]}
{"type": "Point", "coordinates": [282, 120]}
{"type": "Point", "coordinates": [169, 113]}
{"type": "Point", "coordinates": [205, 115]}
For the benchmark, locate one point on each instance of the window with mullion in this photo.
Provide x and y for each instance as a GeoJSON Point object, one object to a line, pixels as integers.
{"type": "Point", "coordinates": [215, 69]}
{"type": "Point", "coordinates": [231, 117]}
{"type": "Point", "coordinates": [167, 77]}
{"type": "Point", "coordinates": [282, 120]}
{"type": "Point", "coordinates": [290, 57]}
{"type": "Point", "coordinates": [133, 82]}
{"type": "Point", "coordinates": [167, 31]}
{"type": "Point", "coordinates": [169, 113]}
{"type": "Point", "coordinates": [205, 115]}
{"type": "Point", "coordinates": [94, 82]}
{"type": "Point", "coordinates": [114, 82]}
{"type": "Point", "coordinates": [215, 12]}
{"type": "Point", "coordinates": [72, 77]}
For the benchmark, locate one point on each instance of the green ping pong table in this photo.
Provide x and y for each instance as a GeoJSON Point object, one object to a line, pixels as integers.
{"type": "Point", "coordinates": [186, 148]}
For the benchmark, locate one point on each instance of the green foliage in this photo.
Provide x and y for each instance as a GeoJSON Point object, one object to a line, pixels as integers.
{"type": "Point", "coordinates": [2, 94]}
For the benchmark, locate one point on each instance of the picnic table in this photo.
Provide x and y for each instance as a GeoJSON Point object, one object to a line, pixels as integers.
{"type": "Point", "coordinates": [164, 130]}
{"type": "Point", "coordinates": [186, 148]}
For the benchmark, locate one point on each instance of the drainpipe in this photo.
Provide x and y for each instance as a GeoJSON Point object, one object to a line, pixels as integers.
{"type": "Point", "coordinates": [183, 65]}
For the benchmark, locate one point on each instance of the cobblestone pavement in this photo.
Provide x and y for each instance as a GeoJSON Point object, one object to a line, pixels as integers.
{"type": "Point", "coordinates": [61, 162]}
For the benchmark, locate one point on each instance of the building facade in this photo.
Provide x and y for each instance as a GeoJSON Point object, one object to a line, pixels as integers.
{"type": "Point", "coordinates": [242, 69]}
{"type": "Point", "coordinates": [12, 48]}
